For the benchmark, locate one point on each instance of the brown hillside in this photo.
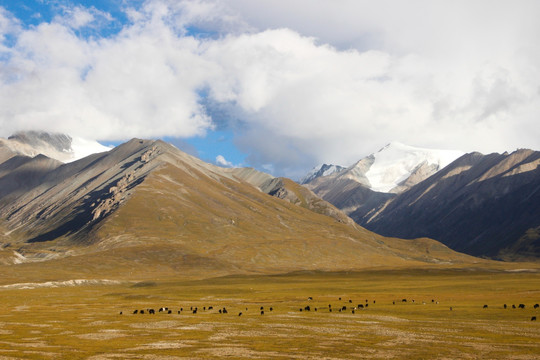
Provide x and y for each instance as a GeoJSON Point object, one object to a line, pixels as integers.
{"type": "Point", "coordinates": [147, 208]}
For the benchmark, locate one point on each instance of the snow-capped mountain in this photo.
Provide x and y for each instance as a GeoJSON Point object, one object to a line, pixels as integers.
{"type": "Point", "coordinates": [393, 166]}
{"type": "Point", "coordinates": [392, 169]}
{"type": "Point", "coordinates": [53, 145]}
{"type": "Point", "coordinates": [375, 178]}
{"type": "Point", "coordinates": [321, 170]}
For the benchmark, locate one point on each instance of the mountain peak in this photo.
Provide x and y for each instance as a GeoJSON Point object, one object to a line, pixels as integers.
{"type": "Point", "coordinates": [321, 170]}
{"type": "Point", "coordinates": [60, 142]}
{"type": "Point", "coordinates": [57, 146]}
{"type": "Point", "coordinates": [396, 162]}
{"type": "Point", "coordinates": [394, 145]}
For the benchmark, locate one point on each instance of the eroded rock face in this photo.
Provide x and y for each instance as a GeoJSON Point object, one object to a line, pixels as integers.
{"type": "Point", "coordinates": [149, 154]}
{"type": "Point", "coordinates": [117, 194]}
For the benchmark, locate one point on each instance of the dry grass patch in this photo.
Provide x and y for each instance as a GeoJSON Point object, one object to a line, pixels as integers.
{"type": "Point", "coordinates": [84, 321]}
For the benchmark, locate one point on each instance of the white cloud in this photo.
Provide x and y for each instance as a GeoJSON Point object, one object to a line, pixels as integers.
{"type": "Point", "coordinates": [8, 25]}
{"type": "Point", "coordinates": [305, 82]}
{"type": "Point", "coordinates": [220, 160]}
{"type": "Point", "coordinates": [305, 101]}
{"type": "Point", "coordinates": [141, 82]}
{"type": "Point", "coordinates": [77, 17]}
{"type": "Point", "coordinates": [441, 74]}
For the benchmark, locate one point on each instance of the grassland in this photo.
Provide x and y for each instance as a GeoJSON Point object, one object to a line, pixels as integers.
{"type": "Point", "coordinates": [84, 321]}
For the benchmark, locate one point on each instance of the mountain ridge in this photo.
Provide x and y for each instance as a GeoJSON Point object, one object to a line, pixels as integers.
{"type": "Point", "coordinates": [479, 204]}
{"type": "Point", "coordinates": [146, 202]}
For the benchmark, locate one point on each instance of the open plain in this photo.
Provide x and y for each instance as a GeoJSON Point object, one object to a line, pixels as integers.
{"type": "Point", "coordinates": [443, 317]}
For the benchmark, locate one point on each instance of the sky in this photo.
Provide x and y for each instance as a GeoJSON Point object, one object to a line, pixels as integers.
{"type": "Point", "coordinates": [277, 85]}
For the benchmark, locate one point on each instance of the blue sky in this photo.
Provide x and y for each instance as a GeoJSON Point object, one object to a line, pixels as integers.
{"type": "Point", "coordinates": [277, 85]}
{"type": "Point", "coordinates": [35, 12]}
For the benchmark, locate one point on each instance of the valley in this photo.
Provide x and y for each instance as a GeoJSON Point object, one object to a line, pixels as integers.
{"type": "Point", "coordinates": [76, 321]}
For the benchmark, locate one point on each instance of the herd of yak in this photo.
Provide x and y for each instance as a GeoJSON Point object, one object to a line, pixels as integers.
{"type": "Point", "coordinates": [341, 308]}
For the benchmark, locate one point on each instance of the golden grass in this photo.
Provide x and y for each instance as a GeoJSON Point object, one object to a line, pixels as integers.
{"type": "Point", "coordinates": [73, 322]}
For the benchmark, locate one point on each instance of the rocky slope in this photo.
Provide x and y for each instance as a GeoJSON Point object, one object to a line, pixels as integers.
{"type": "Point", "coordinates": [480, 204]}
{"type": "Point", "coordinates": [146, 207]}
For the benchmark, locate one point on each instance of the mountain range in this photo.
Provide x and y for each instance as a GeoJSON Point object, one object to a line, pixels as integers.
{"type": "Point", "coordinates": [146, 206]}
{"type": "Point", "coordinates": [376, 178]}
{"type": "Point", "coordinates": [484, 205]}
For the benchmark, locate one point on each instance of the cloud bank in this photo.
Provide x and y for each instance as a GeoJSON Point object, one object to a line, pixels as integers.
{"type": "Point", "coordinates": [299, 82]}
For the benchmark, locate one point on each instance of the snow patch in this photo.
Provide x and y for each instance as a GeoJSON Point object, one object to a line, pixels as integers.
{"type": "Point", "coordinates": [395, 162]}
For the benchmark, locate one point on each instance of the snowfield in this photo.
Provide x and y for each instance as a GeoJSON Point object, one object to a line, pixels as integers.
{"type": "Point", "coordinates": [395, 162]}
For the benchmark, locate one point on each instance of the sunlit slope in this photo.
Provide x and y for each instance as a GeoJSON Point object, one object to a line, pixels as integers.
{"type": "Point", "coordinates": [146, 209]}
{"type": "Point", "coordinates": [236, 225]}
